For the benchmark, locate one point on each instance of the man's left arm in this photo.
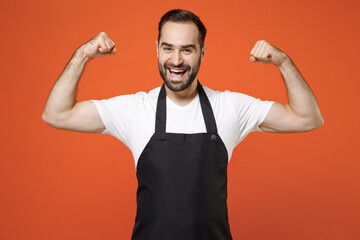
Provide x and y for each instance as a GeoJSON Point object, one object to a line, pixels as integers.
{"type": "Point", "coordinates": [302, 113]}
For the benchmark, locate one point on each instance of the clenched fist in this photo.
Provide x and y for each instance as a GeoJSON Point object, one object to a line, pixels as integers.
{"type": "Point", "coordinates": [99, 46]}
{"type": "Point", "coordinates": [264, 52]}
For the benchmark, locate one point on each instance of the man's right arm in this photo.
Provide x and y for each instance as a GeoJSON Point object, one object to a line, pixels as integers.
{"type": "Point", "coordinates": [62, 110]}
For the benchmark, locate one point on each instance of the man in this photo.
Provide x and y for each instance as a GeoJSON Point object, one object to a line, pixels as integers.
{"type": "Point", "coordinates": [182, 134]}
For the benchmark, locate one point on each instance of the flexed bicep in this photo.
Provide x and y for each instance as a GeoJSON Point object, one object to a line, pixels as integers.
{"type": "Point", "coordinates": [83, 117]}
{"type": "Point", "coordinates": [282, 119]}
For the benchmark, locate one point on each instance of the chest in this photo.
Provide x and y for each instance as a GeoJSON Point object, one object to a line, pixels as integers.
{"type": "Point", "coordinates": [188, 119]}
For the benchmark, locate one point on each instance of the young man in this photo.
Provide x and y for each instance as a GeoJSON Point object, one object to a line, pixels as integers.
{"type": "Point", "coordinates": [181, 134]}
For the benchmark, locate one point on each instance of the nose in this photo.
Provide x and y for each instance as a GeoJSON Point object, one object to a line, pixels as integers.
{"type": "Point", "coordinates": [177, 58]}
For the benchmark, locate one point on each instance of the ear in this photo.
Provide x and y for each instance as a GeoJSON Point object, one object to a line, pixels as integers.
{"type": "Point", "coordinates": [203, 52]}
{"type": "Point", "coordinates": [157, 49]}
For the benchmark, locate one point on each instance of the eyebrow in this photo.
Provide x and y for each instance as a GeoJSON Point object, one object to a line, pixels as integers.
{"type": "Point", "coordinates": [183, 46]}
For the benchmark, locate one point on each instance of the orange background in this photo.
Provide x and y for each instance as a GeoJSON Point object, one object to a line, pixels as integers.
{"type": "Point", "coordinates": [56, 184]}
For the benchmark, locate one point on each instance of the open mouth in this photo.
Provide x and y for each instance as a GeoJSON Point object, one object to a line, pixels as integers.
{"type": "Point", "coordinates": [176, 73]}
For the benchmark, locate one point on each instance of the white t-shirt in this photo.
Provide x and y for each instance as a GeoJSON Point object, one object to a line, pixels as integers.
{"type": "Point", "coordinates": [131, 118]}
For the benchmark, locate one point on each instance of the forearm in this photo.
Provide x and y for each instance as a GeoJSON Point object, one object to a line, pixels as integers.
{"type": "Point", "coordinates": [63, 95]}
{"type": "Point", "coordinates": [301, 99]}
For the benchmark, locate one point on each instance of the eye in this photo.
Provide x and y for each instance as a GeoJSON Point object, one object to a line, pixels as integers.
{"type": "Point", "coordinates": [167, 49]}
{"type": "Point", "coordinates": [187, 51]}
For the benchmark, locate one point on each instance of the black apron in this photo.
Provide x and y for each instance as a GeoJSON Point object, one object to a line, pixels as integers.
{"type": "Point", "coordinates": [182, 182]}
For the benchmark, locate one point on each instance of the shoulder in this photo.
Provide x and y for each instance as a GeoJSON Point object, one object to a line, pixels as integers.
{"type": "Point", "coordinates": [146, 97]}
{"type": "Point", "coordinates": [213, 95]}
{"type": "Point", "coordinates": [142, 95]}
{"type": "Point", "coordinates": [226, 95]}
{"type": "Point", "coordinates": [151, 94]}
{"type": "Point", "coordinates": [134, 98]}
{"type": "Point", "coordinates": [241, 104]}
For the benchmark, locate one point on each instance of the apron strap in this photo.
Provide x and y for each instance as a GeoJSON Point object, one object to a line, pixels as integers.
{"type": "Point", "coordinates": [160, 120]}
{"type": "Point", "coordinates": [209, 119]}
{"type": "Point", "coordinates": [207, 111]}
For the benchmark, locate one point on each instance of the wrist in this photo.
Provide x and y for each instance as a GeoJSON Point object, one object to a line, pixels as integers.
{"type": "Point", "coordinates": [285, 62]}
{"type": "Point", "coordinates": [80, 56]}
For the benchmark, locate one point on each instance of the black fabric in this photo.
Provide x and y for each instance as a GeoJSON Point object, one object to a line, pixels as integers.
{"type": "Point", "coordinates": [182, 182]}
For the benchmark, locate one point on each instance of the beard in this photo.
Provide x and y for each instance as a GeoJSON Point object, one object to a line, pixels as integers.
{"type": "Point", "coordinates": [176, 87]}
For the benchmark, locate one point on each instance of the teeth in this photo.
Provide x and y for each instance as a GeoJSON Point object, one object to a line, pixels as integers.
{"type": "Point", "coordinates": [176, 70]}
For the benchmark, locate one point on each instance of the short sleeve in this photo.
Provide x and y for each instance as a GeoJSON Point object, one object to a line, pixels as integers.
{"type": "Point", "coordinates": [250, 112]}
{"type": "Point", "coordinates": [115, 114]}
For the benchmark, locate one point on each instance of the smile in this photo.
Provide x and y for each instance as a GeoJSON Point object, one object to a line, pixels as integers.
{"type": "Point", "coordinates": [176, 73]}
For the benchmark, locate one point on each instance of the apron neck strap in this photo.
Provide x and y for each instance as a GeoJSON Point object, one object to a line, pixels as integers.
{"type": "Point", "coordinates": [160, 121]}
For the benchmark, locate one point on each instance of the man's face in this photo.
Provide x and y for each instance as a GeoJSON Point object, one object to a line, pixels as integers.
{"type": "Point", "coordinates": [179, 54]}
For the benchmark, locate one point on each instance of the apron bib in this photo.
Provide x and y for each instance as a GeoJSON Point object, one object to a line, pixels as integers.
{"type": "Point", "coordinates": [182, 182]}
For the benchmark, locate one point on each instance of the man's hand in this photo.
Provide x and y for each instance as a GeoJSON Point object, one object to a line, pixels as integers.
{"type": "Point", "coordinates": [264, 52]}
{"type": "Point", "coordinates": [99, 46]}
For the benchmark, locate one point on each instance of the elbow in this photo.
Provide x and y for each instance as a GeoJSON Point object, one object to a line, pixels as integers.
{"type": "Point", "coordinates": [316, 123]}
{"type": "Point", "coordinates": [309, 123]}
{"type": "Point", "coordinates": [50, 119]}
{"type": "Point", "coordinates": [55, 119]}
{"type": "Point", "coordinates": [321, 122]}
{"type": "Point", "coordinates": [47, 119]}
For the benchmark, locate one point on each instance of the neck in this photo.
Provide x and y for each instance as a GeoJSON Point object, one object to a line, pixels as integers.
{"type": "Point", "coordinates": [183, 97]}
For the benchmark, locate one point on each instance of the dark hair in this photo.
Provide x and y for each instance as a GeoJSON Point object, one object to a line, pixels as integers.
{"type": "Point", "coordinates": [183, 16]}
